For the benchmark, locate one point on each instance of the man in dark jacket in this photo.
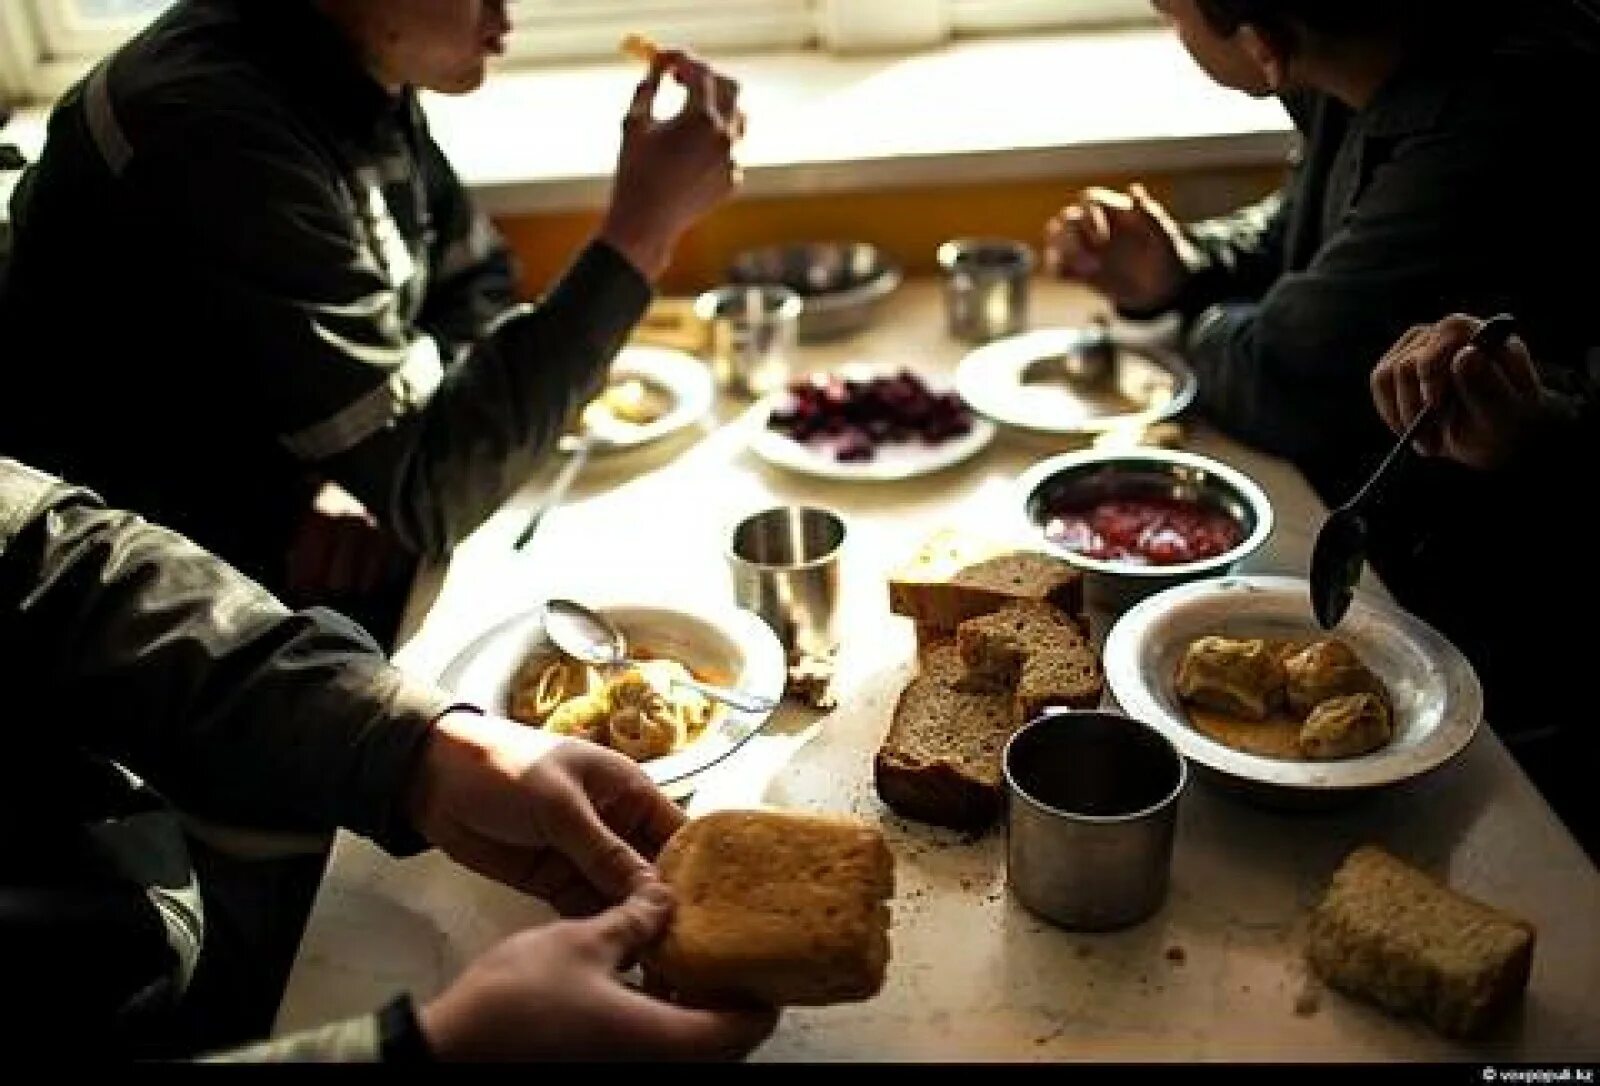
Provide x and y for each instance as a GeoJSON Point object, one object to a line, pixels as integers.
{"type": "Point", "coordinates": [166, 716]}
{"type": "Point", "coordinates": [243, 270]}
{"type": "Point", "coordinates": [1424, 127]}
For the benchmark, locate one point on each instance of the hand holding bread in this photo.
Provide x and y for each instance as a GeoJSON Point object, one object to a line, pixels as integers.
{"type": "Point", "coordinates": [671, 171]}
{"type": "Point", "coordinates": [556, 993]}
{"type": "Point", "coordinates": [569, 821]}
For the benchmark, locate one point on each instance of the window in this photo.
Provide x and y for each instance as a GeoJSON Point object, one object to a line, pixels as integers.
{"type": "Point", "coordinates": [46, 44]}
{"type": "Point", "coordinates": [571, 29]}
{"type": "Point", "coordinates": [87, 29]}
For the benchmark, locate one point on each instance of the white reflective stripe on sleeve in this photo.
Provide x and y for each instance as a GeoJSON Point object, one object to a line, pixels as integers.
{"type": "Point", "coordinates": [406, 388]}
{"type": "Point", "coordinates": [108, 136]}
{"type": "Point", "coordinates": [22, 491]}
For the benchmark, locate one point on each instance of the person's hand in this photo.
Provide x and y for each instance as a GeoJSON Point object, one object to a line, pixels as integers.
{"type": "Point", "coordinates": [1492, 399]}
{"type": "Point", "coordinates": [554, 993]}
{"type": "Point", "coordinates": [1124, 245]}
{"type": "Point", "coordinates": [339, 549]}
{"type": "Point", "coordinates": [567, 820]}
{"type": "Point", "coordinates": [672, 171]}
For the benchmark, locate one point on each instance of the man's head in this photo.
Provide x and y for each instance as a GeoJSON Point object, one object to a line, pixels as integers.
{"type": "Point", "coordinates": [1251, 45]}
{"type": "Point", "coordinates": [440, 45]}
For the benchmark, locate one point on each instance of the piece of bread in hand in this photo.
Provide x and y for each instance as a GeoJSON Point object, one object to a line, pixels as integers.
{"type": "Point", "coordinates": [639, 47]}
{"type": "Point", "coordinates": [778, 908]}
{"type": "Point", "coordinates": [1392, 934]}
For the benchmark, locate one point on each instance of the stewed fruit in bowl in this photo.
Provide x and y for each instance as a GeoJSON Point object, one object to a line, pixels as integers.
{"type": "Point", "coordinates": [855, 416]}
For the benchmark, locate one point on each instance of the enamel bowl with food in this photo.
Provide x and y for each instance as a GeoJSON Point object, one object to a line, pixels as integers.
{"type": "Point", "coordinates": [1137, 521]}
{"type": "Point", "coordinates": [1434, 698]}
{"type": "Point", "coordinates": [512, 669]}
{"type": "Point", "coordinates": [841, 283]}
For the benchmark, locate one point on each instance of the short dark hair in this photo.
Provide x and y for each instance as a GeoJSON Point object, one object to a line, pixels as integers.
{"type": "Point", "coordinates": [1289, 22]}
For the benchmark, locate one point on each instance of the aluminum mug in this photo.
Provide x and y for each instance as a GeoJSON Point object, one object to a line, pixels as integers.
{"type": "Point", "coordinates": [751, 334]}
{"type": "Point", "coordinates": [785, 565]}
{"type": "Point", "coordinates": [1092, 804]}
{"type": "Point", "coordinates": [986, 287]}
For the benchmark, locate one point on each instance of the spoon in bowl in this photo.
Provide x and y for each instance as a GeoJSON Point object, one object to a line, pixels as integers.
{"type": "Point", "coordinates": [1340, 552]}
{"type": "Point", "coordinates": [589, 637]}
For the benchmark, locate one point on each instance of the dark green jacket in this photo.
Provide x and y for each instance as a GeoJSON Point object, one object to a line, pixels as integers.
{"type": "Point", "coordinates": [1459, 188]}
{"type": "Point", "coordinates": [241, 265]}
{"type": "Point", "coordinates": [125, 645]}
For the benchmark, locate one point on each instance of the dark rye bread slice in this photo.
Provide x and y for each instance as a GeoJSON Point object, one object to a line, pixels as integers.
{"type": "Point", "coordinates": [777, 908]}
{"type": "Point", "coordinates": [940, 762]}
{"type": "Point", "coordinates": [955, 576]}
{"type": "Point", "coordinates": [1392, 934]}
{"type": "Point", "coordinates": [1043, 656]}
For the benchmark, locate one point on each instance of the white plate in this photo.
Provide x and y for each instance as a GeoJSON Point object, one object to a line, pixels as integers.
{"type": "Point", "coordinates": [1147, 385]}
{"type": "Point", "coordinates": [902, 460]}
{"type": "Point", "coordinates": [728, 641]}
{"type": "Point", "coordinates": [684, 379]}
{"type": "Point", "coordinates": [1437, 701]}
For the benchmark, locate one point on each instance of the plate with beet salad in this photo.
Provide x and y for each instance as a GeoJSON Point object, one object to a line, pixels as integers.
{"type": "Point", "coordinates": [868, 423]}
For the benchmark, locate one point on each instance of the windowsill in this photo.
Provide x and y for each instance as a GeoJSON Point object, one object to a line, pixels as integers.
{"type": "Point", "coordinates": [1109, 102]}
{"type": "Point", "coordinates": [1126, 101]}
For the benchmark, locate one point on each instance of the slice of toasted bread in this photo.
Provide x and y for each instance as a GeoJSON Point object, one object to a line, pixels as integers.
{"type": "Point", "coordinates": [1032, 648]}
{"type": "Point", "coordinates": [1392, 934]}
{"type": "Point", "coordinates": [955, 576]}
{"type": "Point", "coordinates": [782, 908]}
{"type": "Point", "coordinates": [940, 761]}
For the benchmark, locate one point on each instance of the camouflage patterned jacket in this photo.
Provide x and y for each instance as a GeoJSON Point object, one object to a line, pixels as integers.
{"type": "Point", "coordinates": [123, 643]}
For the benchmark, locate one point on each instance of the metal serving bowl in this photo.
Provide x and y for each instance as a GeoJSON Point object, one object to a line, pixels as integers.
{"type": "Point", "coordinates": [1085, 478]}
{"type": "Point", "coordinates": [841, 282]}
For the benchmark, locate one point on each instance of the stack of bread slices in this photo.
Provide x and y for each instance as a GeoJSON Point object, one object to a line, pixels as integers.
{"type": "Point", "coordinates": [1001, 636]}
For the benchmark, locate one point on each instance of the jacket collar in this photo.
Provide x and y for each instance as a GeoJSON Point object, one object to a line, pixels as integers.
{"type": "Point", "coordinates": [315, 62]}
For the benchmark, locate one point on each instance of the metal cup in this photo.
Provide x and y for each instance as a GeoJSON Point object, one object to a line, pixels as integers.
{"type": "Point", "coordinates": [1093, 804]}
{"type": "Point", "coordinates": [785, 564]}
{"type": "Point", "coordinates": [986, 287]}
{"type": "Point", "coordinates": [752, 331]}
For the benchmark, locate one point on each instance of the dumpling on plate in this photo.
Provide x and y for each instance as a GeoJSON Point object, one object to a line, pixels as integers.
{"type": "Point", "coordinates": [1325, 669]}
{"type": "Point", "coordinates": [1344, 727]}
{"type": "Point", "coordinates": [583, 717]}
{"type": "Point", "coordinates": [1243, 678]}
{"type": "Point", "coordinates": [643, 723]}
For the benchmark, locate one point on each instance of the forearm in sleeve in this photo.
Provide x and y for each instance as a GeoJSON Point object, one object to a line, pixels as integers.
{"type": "Point", "coordinates": [439, 469]}
{"type": "Point", "coordinates": [1237, 256]}
{"type": "Point", "coordinates": [163, 658]}
{"type": "Point", "coordinates": [335, 369]}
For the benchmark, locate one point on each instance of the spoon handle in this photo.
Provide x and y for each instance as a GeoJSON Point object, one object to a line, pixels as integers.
{"type": "Point", "coordinates": [739, 699]}
{"type": "Point", "coordinates": [576, 459]}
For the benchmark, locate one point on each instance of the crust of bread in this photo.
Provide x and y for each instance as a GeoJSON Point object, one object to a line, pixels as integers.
{"type": "Point", "coordinates": [1393, 935]}
{"type": "Point", "coordinates": [779, 908]}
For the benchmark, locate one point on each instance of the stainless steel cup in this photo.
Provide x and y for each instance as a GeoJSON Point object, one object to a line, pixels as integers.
{"type": "Point", "coordinates": [1092, 808]}
{"type": "Point", "coordinates": [785, 564]}
{"type": "Point", "coordinates": [751, 334]}
{"type": "Point", "coordinates": [986, 287]}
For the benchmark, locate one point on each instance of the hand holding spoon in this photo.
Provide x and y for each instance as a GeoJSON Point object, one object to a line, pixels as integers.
{"type": "Point", "coordinates": [1340, 553]}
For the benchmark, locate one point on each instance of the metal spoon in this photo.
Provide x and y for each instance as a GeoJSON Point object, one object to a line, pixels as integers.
{"type": "Point", "coordinates": [1340, 553]}
{"type": "Point", "coordinates": [588, 637]}
{"type": "Point", "coordinates": [577, 449]}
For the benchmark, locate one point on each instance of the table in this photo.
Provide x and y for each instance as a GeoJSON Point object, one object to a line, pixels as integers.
{"type": "Point", "coordinates": [1216, 975]}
